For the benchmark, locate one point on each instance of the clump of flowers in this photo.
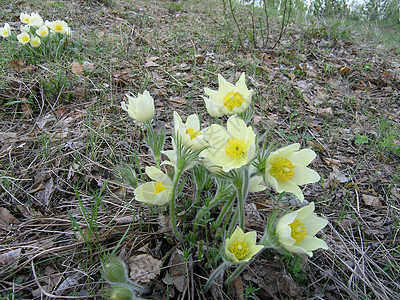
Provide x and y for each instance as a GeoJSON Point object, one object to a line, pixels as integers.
{"type": "Point", "coordinates": [38, 37]}
{"type": "Point", "coordinates": [229, 155]}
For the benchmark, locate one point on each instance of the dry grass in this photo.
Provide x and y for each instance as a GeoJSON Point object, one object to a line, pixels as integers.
{"type": "Point", "coordinates": [57, 161]}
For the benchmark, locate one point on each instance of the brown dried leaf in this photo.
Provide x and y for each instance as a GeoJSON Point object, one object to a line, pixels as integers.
{"type": "Point", "coordinates": [16, 64]}
{"type": "Point", "coordinates": [372, 200]}
{"type": "Point", "coordinates": [6, 217]}
{"type": "Point", "coordinates": [178, 100]}
{"type": "Point", "coordinates": [88, 66]}
{"type": "Point", "coordinates": [178, 272]}
{"type": "Point", "coordinates": [150, 64]}
{"type": "Point", "coordinates": [27, 110]}
{"type": "Point", "coordinates": [144, 268]}
{"type": "Point", "coordinates": [9, 259]}
{"type": "Point", "coordinates": [76, 67]}
{"type": "Point", "coordinates": [344, 70]}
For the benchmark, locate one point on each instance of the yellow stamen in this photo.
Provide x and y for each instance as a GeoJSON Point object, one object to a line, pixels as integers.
{"type": "Point", "coordinates": [232, 100]}
{"type": "Point", "coordinates": [58, 28]}
{"type": "Point", "coordinates": [239, 249]}
{"type": "Point", "coordinates": [299, 231]}
{"type": "Point", "coordinates": [235, 148]}
{"type": "Point", "coordinates": [193, 133]}
{"type": "Point", "coordinates": [158, 187]}
{"type": "Point", "coordinates": [25, 38]}
{"type": "Point", "coordinates": [282, 169]}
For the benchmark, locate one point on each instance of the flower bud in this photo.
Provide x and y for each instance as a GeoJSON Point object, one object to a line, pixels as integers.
{"type": "Point", "coordinates": [114, 270]}
{"type": "Point", "coordinates": [122, 293]}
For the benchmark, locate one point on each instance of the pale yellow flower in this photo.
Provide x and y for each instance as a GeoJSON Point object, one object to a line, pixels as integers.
{"type": "Point", "coordinates": [230, 148]}
{"type": "Point", "coordinates": [241, 247]}
{"type": "Point", "coordinates": [140, 108]}
{"type": "Point", "coordinates": [286, 169]}
{"type": "Point", "coordinates": [42, 31]}
{"type": "Point", "coordinates": [68, 31]}
{"type": "Point", "coordinates": [157, 192]}
{"type": "Point", "coordinates": [296, 231]}
{"type": "Point", "coordinates": [25, 18]}
{"type": "Point", "coordinates": [229, 99]}
{"type": "Point", "coordinates": [36, 20]}
{"type": "Point", "coordinates": [25, 28]}
{"type": "Point", "coordinates": [35, 42]}
{"type": "Point", "coordinates": [23, 38]}
{"type": "Point", "coordinates": [5, 31]}
{"type": "Point", "coordinates": [189, 133]}
{"type": "Point", "coordinates": [57, 26]}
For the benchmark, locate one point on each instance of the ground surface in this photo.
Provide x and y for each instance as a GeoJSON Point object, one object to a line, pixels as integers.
{"type": "Point", "coordinates": [63, 133]}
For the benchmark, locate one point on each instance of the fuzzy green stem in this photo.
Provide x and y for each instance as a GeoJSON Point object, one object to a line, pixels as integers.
{"type": "Point", "coordinates": [226, 209]}
{"type": "Point", "coordinates": [177, 175]}
{"type": "Point", "coordinates": [138, 287]}
{"type": "Point", "coordinates": [215, 274]}
{"type": "Point", "coordinates": [241, 184]}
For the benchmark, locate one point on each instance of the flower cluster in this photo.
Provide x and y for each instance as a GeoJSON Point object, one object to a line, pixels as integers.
{"type": "Point", "coordinates": [231, 154]}
{"type": "Point", "coordinates": [34, 31]}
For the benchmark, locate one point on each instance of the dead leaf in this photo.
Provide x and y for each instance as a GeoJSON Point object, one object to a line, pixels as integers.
{"type": "Point", "coordinates": [16, 64]}
{"type": "Point", "coordinates": [6, 218]}
{"type": "Point", "coordinates": [372, 200]}
{"type": "Point", "coordinates": [338, 175]}
{"type": "Point", "coordinates": [178, 271]}
{"type": "Point", "coordinates": [46, 192]}
{"type": "Point", "coordinates": [27, 110]}
{"type": "Point", "coordinates": [88, 66]}
{"type": "Point", "coordinates": [76, 67]}
{"type": "Point", "coordinates": [344, 70]}
{"type": "Point", "coordinates": [144, 268]}
{"type": "Point", "coordinates": [178, 100]}
{"type": "Point", "coordinates": [9, 259]}
{"type": "Point", "coordinates": [150, 64]}
{"type": "Point", "coordinates": [238, 285]}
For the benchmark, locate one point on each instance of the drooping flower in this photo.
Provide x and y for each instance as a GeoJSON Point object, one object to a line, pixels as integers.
{"type": "Point", "coordinates": [241, 247]}
{"type": "Point", "coordinates": [35, 42]}
{"type": "Point", "coordinates": [189, 133]}
{"type": "Point", "coordinates": [5, 31]}
{"type": "Point", "coordinates": [23, 38]}
{"type": "Point", "coordinates": [140, 108]}
{"type": "Point", "coordinates": [157, 192]}
{"type": "Point", "coordinates": [286, 169]}
{"type": "Point", "coordinates": [296, 230]}
{"type": "Point", "coordinates": [229, 99]}
{"type": "Point", "coordinates": [120, 292]}
{"type": "Point", "coordinates": [25, 18]}
{"type": "Point", "coordinates": [36, 20]}
{"type": "Point", "coordinates": [230, 148]}
{"type": "Point", "coordinates": [42, 31]}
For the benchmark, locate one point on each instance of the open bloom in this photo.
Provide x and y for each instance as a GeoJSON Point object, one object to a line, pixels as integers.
{"type": "Point", "coordinates": [5, 31]}
{"type": "Point", "coordinates": [36, 20]}
{"type": "Point", "coordinates": [57, 26]}
{"type": "Point", "coordinates": [140, 108]}
{"type": "Point", "coordinates": [23, 38]}
{"type": "Point", "coordinates": [241, 247]}
{"type": "Point", "coordinates": [156, 192]}
{"type": "Point", "coordinates": [229, 99]}
{"type": "Point", "coordinates": [189, 133]}
{"type": "Point", "coordinates": [35, 42]}
{"type": "Point", "coordinates": [230, 148]}
{"type": "Point", "coordinates": [42, 31]}
{"type": "Point", "coordinates": [286, 169]}
{"type": "Point", "coordinates": [296, 230]}
{"type": "Point", "coordinates": [25, 18]}
{"type": "Point", "coordinates": [25, 28]}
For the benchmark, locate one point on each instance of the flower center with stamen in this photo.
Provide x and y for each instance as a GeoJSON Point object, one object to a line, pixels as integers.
{"type": "Point", "coordinates": [193, 133]}
{"type": "Point", "coordinates": [25, 38]}
{"type": "Point", "coordinates": [239, 249]}
{"type": "Point", "coordinates": [282, 169]}
{"type": "Point", "coordinates": [158, 188]}
{"type": "Point", "coordinates": [58, 28]}
{"type": "Point", "coordinates": [232, 100]}
{"type": "Point", "coordinates": [299, 231]}
{"type": "Point", "coordinates": [235, 148]}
